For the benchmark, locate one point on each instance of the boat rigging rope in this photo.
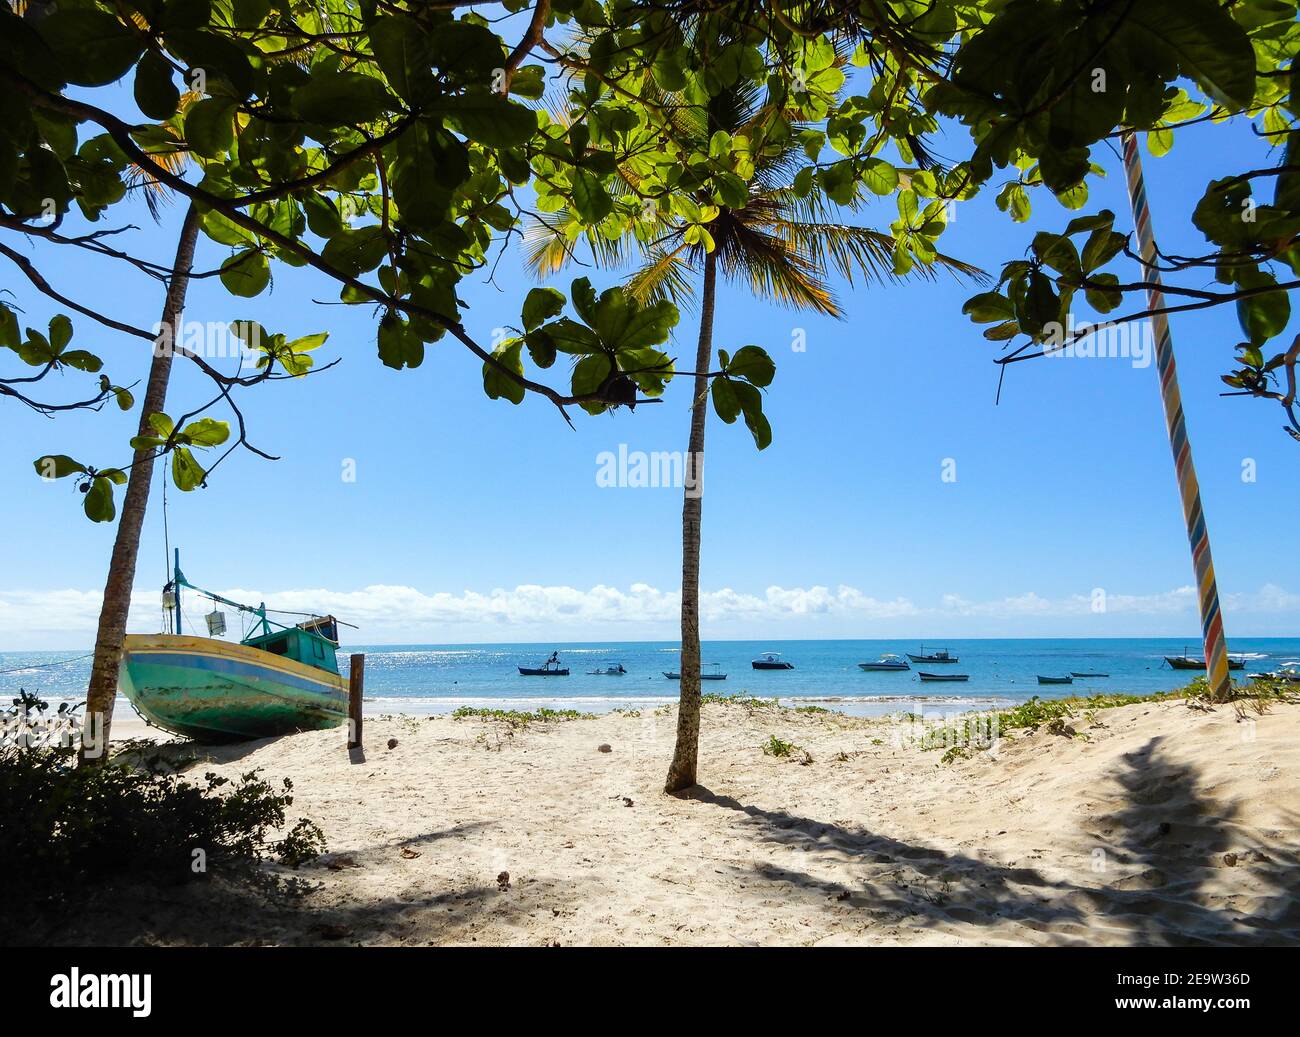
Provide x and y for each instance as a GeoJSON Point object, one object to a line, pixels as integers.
{"type": "Point", "coordinates": [1216, 651]}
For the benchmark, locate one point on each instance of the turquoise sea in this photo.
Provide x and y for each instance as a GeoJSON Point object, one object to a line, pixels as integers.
{"type": "Point", "coordinates": [438, 678]}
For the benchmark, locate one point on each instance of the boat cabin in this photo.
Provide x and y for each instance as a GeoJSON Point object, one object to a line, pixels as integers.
{"type": "Point", "coordinates": [302, 644]}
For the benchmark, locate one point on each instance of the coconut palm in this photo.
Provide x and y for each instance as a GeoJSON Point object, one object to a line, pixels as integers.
{"type": "Point", "coordinates": [775, 244]}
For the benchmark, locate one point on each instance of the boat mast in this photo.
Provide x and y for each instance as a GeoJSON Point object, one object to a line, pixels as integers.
{"type": "Point", "coordinates": [176, 584]}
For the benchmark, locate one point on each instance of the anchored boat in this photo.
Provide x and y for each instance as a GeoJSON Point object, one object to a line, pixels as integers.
{"type": "Point", "coordinates": [888, 661]}
{"type": "Point", "coordinates": [771, 661]}
{"type": "Point", "coordinates": [276, 680]}
{"type": "Point", "coordinates": [1055, 680]}
{"type": "Point", "coordinates": [1187, 662]}
{"type": "Point", "coordinates": [939, 655]}
{"type": "Point", "coordinates": [942, 676]}
{"type": "Point", "coordinates": [715, 674]}
{"type": "Point", "coordinates": [608, 670]}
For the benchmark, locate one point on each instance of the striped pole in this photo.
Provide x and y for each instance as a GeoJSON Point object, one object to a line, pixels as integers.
{"type": "Point", "coordinates": [1216, 651]}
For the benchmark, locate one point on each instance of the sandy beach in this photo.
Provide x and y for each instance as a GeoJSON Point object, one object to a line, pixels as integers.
{"type": "Point", "coordinates": [1150, 824]}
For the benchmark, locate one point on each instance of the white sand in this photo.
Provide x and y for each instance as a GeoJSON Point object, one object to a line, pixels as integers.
{"type": "Point", "coordinates": [1163, 825]}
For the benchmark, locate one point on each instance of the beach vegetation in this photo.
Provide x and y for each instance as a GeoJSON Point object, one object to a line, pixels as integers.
{"type": "Point", "coordinates": [520, 718]}
{"type": "Point", "coordinates": [68, 831]}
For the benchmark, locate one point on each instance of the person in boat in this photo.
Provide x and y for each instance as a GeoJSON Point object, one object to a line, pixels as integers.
{"type": "Point", "coordinates": [555, 658]}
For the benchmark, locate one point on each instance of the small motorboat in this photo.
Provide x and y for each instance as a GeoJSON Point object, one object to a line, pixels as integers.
{"type": "Point", "coordinates": [939, 655]}
{"type": "Point", "coordinates": [714, 674]}
{"type": "Point", "coordinates": [1055, 680]}
{"type": "Point", "coordinates": [550, 668]}
{"type": "Point", "coordinates": [1188, 662]}
{"type": "Point", "coordinates": [608, 670]}
{"type": "Point", "coordinates": [942, 676]}
{"type": "Point", "coordinates": [888, 661]}
{"type": "Point", "coordinates": [771, 661]}
{"type": "Point", "coordinates": [1076, 673]}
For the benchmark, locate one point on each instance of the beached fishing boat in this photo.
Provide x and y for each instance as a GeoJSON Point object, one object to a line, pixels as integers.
{"type": "Point", "coordinates": [1055, 680]}
{"type": "Point", "coordinates": [550, 668]}
{"type": "Point", "coordinates": [1076, 673]}
{"type": "Point", "coordinates": [942, 676]}
{"type": "Point", "coordinates": [1187, 662]}
{"type": "Point", "coordinates": [888, 661]}
{"type": "Point", "coordinates": [940, 655]}
{"type": "Point", "coordinates": [771, 661]}
{"type": "Point", "coordinates": [713, 674]}
{"type": "Point", "coordinates": [276, 680]}
{"type": "Point", "coordinates": [608, 670]}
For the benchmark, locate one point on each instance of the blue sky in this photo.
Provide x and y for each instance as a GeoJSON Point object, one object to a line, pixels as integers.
{"type": "Point", "coordinates": [473, 520]}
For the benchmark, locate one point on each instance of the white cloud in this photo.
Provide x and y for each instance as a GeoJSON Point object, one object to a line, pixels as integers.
{"type": "Point", "coordinates": [389, 613]}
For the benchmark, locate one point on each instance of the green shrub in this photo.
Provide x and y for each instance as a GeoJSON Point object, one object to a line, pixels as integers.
{"type": "Point", "coordinates": [68, 830]}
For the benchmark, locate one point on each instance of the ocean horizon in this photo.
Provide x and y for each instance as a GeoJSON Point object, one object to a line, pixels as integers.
{"type": "Point", "coordinates": [422, 679]}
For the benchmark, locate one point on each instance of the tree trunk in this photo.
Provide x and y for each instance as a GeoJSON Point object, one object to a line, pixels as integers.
{"type": "Point", "coordinates": [681, 773]}
{"type": "Point", "coordinates": [126, 545]}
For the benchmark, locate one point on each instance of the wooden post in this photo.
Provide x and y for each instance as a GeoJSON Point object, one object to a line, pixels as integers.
{"type": "Point", "coordinates": [356, 685]}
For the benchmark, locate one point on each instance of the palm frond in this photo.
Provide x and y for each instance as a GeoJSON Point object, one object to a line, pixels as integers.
{"type": "Point", "coordinates": [666, 275]}
{"type": "Point", "coordinates": [847, 250]}
{"type": "Point", "coordinates": [773, 270]}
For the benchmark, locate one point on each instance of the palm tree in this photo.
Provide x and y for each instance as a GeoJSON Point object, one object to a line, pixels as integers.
{"type": "Point", "coordinates": [102, 690]}
{"type": "Point", "coordinates": [777, 245]}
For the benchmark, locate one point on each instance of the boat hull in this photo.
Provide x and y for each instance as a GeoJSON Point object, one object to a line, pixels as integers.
{"type": "Point", "coordinates": [772, 666]}
{"type": "Point", "coordinates": [1055, 680]}
{"type": "Point", "coordinates": [530, 671]}
{"type": "Point", "coordinates": [674, 676]}
{"type": "Point", "coordinates": [943, 676]}
{"type": "Point", "coordinates": [881, 667]}
{"type": "Point", "coordinates": [215, 691]}
{"type": "Point", "coordinates": [1074, 673]}
{"type": "Point", "coordinates": [1183, 663]}
{"type": "Point", "coordinates": [932, 660]}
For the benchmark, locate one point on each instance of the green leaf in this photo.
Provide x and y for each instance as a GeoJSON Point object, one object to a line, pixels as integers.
{"type": "Point", "coordinates": [155, 93]}
{"type": "Point", "coordinates": [1102, 246]}
{"type": "Point", "coordinates": [541, 304]}
{"type": "Point", "coordinates": [207, 432]}
{"type": "Point", "coordinates": [1265, 315]}
{"type": "Point", "coordinates": [399, 345]}
{"type": "Point", "coordinates": [187, 473]}
{"type": "Point", "coordinates": [161, 423]}
{"type": "Point", "coordinates": [209, 126]}
{"type": "Point", "coordinates": [879, 176]}
{"type": "Point", "coordinates": [356, 251]}
{"type": "Point", "coordinates": [246, 273]}
{"type": "Point", "coordinates": [568, 336]}
{"type": "Point", "coordinates": [81, 360]}
{"type": "Point", "coordinates": [725, 403]}
{"type": "Point", "coordinates": [341, 98]}
{"type": "Point", "coordinates": [92, 47]}
{"type": "Point", "coordinates": [590, 197]}
{"type": "Point", "coordinates": [497, 384]}
{"type": "Point", "coordinates": [401, 50]}
{"type": "Point", "coordinates": [56, 466]}
{"type": "Point", "coordinates": [490, 119]}
{"type": "Point", "coordinates": [988, 307]}
{"type": "Point", "coordinates": [754, 365]}
{"type": "Point", "coordinates": [751, 406]}
{"type": "Point", "coordinates": [98, 501]}
{"type": "Point", "coordinates": [60, 333]}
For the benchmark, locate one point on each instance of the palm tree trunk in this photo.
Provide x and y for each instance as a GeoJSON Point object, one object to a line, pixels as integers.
{"type": "Point", "coordinates": [126, 545]}
{"type": "Point", "coordinates": [681, 773]}
{"type": "Point", "coordinates": [1198, 535]}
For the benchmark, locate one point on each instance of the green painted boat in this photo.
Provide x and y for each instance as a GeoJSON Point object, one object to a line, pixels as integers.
{"type": "Point", "coordinates": [277, 680]}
